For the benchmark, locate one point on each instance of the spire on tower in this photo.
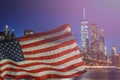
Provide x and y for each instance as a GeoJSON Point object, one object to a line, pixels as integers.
{"type": "Point", "coordinates": [6, 32]}
{"type": "Point", "coordinates": [84, 13]}
{"type": "Point", "coordinates": [13, 30]}
{"type": "Point", "coordinates": [6, 26]}
{"type": "Point", "coordinates": [13, 34]}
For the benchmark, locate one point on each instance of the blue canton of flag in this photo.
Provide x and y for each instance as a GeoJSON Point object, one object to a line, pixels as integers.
{"type": "Point", "coordinates": [10, 49]}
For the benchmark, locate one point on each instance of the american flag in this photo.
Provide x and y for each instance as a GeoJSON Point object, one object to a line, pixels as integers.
{"type": "Point", "coordinates": [51, 54]}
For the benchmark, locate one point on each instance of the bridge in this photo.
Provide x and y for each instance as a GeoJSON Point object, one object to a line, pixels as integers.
{"type": "Point", "coordinates": [96, 62]}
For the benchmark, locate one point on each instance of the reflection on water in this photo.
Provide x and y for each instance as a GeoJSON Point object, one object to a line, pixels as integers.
{"type": "Point", "coordinates": [98, 75]}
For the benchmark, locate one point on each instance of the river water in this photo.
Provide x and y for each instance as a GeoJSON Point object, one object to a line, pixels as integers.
{"type": "Point", "coordinates": [96, 75]}
{"type": "Point", "coordinates": [99, 75]}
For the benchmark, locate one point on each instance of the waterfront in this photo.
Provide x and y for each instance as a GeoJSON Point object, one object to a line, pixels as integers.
{"type": "Point", "coordinates": [99, 75]}
{"type": "Point", "coordinates": [96, 75]}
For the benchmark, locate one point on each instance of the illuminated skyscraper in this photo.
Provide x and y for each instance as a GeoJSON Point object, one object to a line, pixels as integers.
{"type": "Point", "coordinates": [101, 42]}
{"type": "Point", "coordinates": [84, 34]}
{"type": "Point", "coordinates": [94, 46]}
{"type": "Point", "coordinates": [114, 56]}
{"type": "Point", "coordinates": [114, 50]}
{"type": "Point", "coordinates": [5, 35]}
{"type": "Point", "coordinates": [28, 32]}
{"type": "Point", "coordinates": [105, 50]}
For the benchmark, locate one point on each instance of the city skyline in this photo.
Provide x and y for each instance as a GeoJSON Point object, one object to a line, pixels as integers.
{"type": "Point", "coordinates": [43, 15]}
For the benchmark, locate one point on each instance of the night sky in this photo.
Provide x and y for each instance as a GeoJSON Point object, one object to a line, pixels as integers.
{"type": "Point", "coordinates": [43, 15]}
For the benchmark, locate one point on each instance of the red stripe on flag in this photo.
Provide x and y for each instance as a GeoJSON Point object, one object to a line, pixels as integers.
{"type": "Point", "coordinates": [53, 55]}
{"type": "Point", "coordinates": [50, 48]}
{"type": "Point", "coordinates": [46, 40]}
{"type": "Point", "coordinates": [45, 76]}
{"type": "Point", "coordinates": [40, 63]}
{"type": "Point", "coordinates": [43, 69]}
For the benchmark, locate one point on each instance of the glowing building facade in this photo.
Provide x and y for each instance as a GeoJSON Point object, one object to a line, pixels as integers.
{"type": "Point", "coordinates": [28, 32]}
{"type": "Point", "coordinates": [84, 34]}
{"type": "Point", "coordinates": [94, 46]}
{"type": "Point", "coordinates": [101, 42]}
{"type": "Point", "coordinates": [114, 50]}
{"type": "Point", "coordinates": [5, 35]}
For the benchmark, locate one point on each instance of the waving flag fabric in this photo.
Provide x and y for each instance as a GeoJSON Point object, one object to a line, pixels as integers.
{"type": "Point", "coordinates": [51, 54]}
